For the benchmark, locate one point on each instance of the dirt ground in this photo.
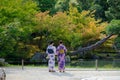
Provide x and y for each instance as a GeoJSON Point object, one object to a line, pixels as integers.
{"type": "Point", "coordinates": [32, 73]}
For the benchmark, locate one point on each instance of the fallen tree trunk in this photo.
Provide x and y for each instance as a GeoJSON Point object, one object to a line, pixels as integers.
{"type": "Point", "coordinates": [93, 46]}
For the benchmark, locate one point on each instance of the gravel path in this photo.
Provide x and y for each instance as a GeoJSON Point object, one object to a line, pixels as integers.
{"type": "Point", "coordinates": [32, 73]}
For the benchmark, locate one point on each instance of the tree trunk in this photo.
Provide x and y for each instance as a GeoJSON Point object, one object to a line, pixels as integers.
{"type": "Point", "coordinates": [93, 46]}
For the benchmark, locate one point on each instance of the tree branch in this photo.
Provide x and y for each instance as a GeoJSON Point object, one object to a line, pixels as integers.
{"type": "Point", "coordinates": [93, 46]}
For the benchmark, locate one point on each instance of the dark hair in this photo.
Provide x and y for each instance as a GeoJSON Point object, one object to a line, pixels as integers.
{"type": "Point", "coordinates": [60, 41]}
{"type": "Point", "coordinates": [51, 42]}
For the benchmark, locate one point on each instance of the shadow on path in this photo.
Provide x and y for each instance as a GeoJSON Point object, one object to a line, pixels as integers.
{"type": "Point", "coordinates": [62, 74]}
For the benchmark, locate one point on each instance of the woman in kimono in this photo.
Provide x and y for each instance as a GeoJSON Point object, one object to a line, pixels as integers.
{"type": "Point", "coordinates": [61, 51]}
{"type": "Point", "coordinates": [51, 51]}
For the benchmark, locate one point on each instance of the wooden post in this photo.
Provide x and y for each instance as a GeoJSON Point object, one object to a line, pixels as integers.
{"type": "Point", "coordinates": [22, 64]}
{"type": "Point", "coordinates": [113, 63]}
{"type": "Point", "coordinates": [96, 64]}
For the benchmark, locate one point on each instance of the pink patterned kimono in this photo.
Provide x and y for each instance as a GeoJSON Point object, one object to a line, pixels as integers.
{"type": "Point", "coordinates": [61, 51]}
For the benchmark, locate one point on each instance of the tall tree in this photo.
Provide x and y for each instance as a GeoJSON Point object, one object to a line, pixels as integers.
{"type": "Point", "coordinates": [47, 5]}
{"type": "Point", "coordinates": [62, 5]}
{"type": "Point", "coordinates": [51, 28]}
{"type": "Point", "coordinates": [86, 26]}
{"type": "Point", "coordinates": [100, 6]}
{"type": "Point", "coordinates": [114, 28]}
{"type": "Point", "coordinates": [84, 4]}
{"type": "Point", "coordinates": [113, 10]}
{"type": "Point", "coordinates": [17, 20]}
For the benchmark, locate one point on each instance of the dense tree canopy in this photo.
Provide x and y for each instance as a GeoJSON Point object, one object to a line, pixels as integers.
{"type": "Point", "coordinates": [17, 19]}
{"type": "Point", "coordinates": [113, 10]}
{"type": "Point", "coordinates": [27, 25]}
{"type": "Point", "coordinates": [114, 28]}
{"type": "Point", "coordinates": [74, 25]}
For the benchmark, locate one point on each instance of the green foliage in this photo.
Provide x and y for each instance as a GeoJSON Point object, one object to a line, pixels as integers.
{"type": "Point", "coordinates": [21, 33]}
{"type": "Point", "coordinates": [84, 4]}
{"type": "Point", "coordinates": [21, 11]}
{"type": "Point", "coordinates": [113, 27]}
{"type": "Point", "coordinates": [113, 10]}
{"type": "Point", "coordinates": [86, 27]}
{"type": "Point", "coordinates": [117, 42]}
{"type": "Point", "coordinates": [17, 20]}
{"type": "Point", "coordinates": [52, 28]}
{"type": "Point", "coordinates": [98, 11]}
{"type": "Point", "coordinates": [62, 5]}
{"type": "Point", "coordinates": [100, 6]}
{"type": "Point", "coordinates": [78, 28]}
{"type": "Point", "coordinates": [46, 5]}
{"type": "Point", "coordinates": [75, 40]}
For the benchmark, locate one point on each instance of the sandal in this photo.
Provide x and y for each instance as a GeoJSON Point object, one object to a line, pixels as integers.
{"type": "Point", "coordinates": [53, 70]}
